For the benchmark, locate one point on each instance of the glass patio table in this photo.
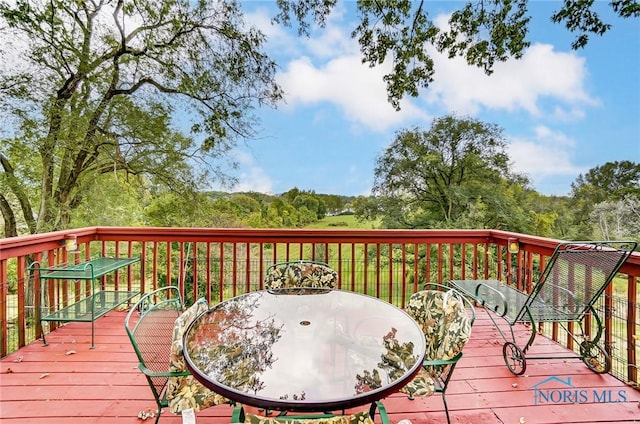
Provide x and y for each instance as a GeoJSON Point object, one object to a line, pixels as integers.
{"type": "Point", "coordinates": [304, 349]}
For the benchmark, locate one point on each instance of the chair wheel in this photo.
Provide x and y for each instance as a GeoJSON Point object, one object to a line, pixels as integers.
{"type": "Point", "coordinates": [595, 357]}
{"type": "Point", "coordinates": [514, 358]}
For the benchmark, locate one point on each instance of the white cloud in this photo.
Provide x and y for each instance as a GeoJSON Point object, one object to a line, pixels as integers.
{"type": "Point", "coordinates": [252, 177]}
{"type": "Point", "coordinates": [355, 88]}
{"type": "Point", "coordinates": [333, 42]}
{"type": "Point", "coordinates": [546, 157]}
{"type": "Point", "coordinates": [281, 41]}
{"type": "Point", "coordinates": [541, 74]}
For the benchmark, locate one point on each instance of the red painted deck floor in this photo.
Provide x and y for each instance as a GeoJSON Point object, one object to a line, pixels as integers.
{"type": "Point", "coordinates": [66, 382]}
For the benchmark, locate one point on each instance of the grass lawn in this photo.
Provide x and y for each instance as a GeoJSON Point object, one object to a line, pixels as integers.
{"type": "Point", "coordinates": [344, 222]}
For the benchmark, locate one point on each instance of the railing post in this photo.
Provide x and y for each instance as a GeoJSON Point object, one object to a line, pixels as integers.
{"type": "Point", "coordinates": [608, 319]}
{"type": "Point", "coordinates": [4, 296]}
{"type": "Point", "coordinates": [632, 336]}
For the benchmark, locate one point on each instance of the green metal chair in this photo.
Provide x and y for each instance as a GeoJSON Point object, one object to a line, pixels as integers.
{"type": "Point", "coordinates": [365, 417]}
{"type": "Point", "coordinates": [155, 325]}
{"type": "Point", "coordinates": [446, 318]}
{"type": "Point", "coordinates": [300, 274]}
{"type": "Point", "coordinates": [574, 277]}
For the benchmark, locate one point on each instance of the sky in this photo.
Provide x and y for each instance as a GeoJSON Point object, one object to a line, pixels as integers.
{"type": "Point", "coordinates": [563, 112]}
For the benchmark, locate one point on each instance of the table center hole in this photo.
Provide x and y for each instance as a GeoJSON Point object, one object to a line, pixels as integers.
{"type": "Point", "coordinates": [305, 323]}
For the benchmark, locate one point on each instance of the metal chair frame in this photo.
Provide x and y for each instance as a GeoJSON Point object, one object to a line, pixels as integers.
{"type": "Point", "coordinates": [284, 417]}
{"type": "Point", "coordinates": [151, 335]}
{"type": "Point", "coordinates": [572, 281]}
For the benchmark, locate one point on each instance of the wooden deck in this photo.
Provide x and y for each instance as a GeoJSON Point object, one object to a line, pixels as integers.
{"type": "Point", "coordinates": [66, 382]}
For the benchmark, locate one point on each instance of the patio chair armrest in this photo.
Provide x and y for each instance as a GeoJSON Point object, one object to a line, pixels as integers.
{"type": "Point", "coordinates": [149, 373]}
{"type": "Point", "coordinates": [382, 412]}
{"type": "Point", "coordinates": [238, 415]}
{"type": "Point", "coordinates": [494, 306]}
{"type": "Point", "coordinates": [433, 362]}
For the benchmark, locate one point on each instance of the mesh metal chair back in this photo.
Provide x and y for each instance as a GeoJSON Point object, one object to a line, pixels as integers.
{"type": "Point", "coordinates": [574, 279]}
{"type": "Point", "coordinates": [150, 325]}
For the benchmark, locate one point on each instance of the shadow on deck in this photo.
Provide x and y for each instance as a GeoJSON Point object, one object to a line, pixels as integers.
{"type": "Point", "coordinates": [67, 382]}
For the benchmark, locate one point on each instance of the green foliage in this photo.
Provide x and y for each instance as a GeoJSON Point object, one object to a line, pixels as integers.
{"type": "Point", "coordinates": [124, 206]}
{"type": "Point", "coordinates": [305, 216]}
{"type": "Point", "coordinates": [311, 205]}
{"type": "Point", "coordinates": [455, 175]}
{"type": "Point", "coordinates": [612, 181]}
{"type": "Point", "coordinates": [617, 219]}
{"type": "Point", "coordinates": [487, 32]}
{"type": "Point", "coordinates": [224, 210]}
{"type": "Point", "coordinates": [245, 203]}
{"type": "Point", "coordinates": [320, 204]}
{"type": "Point", "coordinates": [169, 209]}
{"type": "Point", "coordinates": [579, 17]}
{"type": "Point", "coordinates": [366, 208]}
{"type": "Point", "coordinates": [334, 204]}
{"type": "Point", "coordinates": [394, 30]}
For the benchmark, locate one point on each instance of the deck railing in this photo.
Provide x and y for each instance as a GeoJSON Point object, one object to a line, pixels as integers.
{"type": "Point", "coordinates": [222, 263]}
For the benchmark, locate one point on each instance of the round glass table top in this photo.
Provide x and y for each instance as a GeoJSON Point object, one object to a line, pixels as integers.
{"type": "Point", "coordinates": [304, 349]}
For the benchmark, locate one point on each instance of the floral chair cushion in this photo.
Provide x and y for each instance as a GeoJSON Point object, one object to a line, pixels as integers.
{"type": "Point", "coordinates": [300, 274]}
{"type": "Point", "coordinates": [457, 328]}
{"type": "Point", "coordinates": [447, 329]}
{"type": "Point", "coordinates": [186, 392]}
{"type": "Point", "coordinates": [359, 418]}
{"type": "Point", "coordinates": [422, 385]}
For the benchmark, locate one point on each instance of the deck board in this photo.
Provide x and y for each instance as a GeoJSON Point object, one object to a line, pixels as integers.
{"type": "Point", "coordinates": [67, 382]}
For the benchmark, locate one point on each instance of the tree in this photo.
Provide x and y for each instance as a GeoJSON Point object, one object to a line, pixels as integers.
{"type": "Point", "coordinates": [110, 86]}
{"type": "Point", "coordinates": [333, 202]}
{"type": "Point", "coordinates": [366, 208]}
{"type": "Point", "coordinates": [246, 204]}
{"type": "Point", "coordinates": [169, 209]}
{"type": "Point", "coordinates": [617, 220]}
{"type": "Point", "coordinates": [550, 216]}
{"type": "Point", "coordinates": [291, 194]}
{"type": "Point", "coordinates": [456, 174]}
{"type": "Point", "coordinates": [309, 202]}
{"type": "Point", "coordinates": [482, 32]}
{"type": "Point", "coordinates": [127, 200]}
{"type": "Point", "coordinates": [281, 214]}
{"type": "Point", "coordinates": [612, 181]}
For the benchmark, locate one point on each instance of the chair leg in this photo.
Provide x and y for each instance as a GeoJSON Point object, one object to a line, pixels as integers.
{"type": "Point", "coordinates": [446, 409]}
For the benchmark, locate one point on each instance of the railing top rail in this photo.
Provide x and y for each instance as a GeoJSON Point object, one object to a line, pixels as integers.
{"type": "Point", "coordinates": [30, 244]}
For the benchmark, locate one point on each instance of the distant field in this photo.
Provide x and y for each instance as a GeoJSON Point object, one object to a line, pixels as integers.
{"type": "Point", "coordinates": [342, 221]}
